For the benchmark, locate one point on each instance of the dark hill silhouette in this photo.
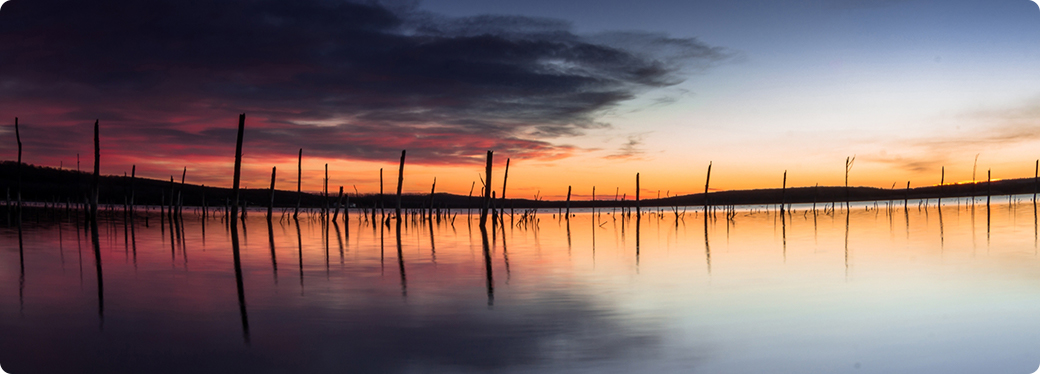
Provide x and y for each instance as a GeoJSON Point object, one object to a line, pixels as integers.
{"type": "Point", "coordinates": [46, 184]}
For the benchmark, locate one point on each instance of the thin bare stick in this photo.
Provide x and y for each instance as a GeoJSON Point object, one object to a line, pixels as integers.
{"type": "Point", "coordinates": [238, 166]}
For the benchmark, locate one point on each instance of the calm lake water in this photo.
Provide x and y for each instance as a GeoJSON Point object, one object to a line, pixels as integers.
{"type": "Point", "coordinates": [880, 290]}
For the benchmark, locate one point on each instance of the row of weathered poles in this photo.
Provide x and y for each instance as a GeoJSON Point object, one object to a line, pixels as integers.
{"type": "Point", "coordinates": [175, 203]}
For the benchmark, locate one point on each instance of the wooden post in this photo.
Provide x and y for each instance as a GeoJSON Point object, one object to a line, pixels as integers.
{"type": "Point", "coordinates": [569, 201]}
{"type": "Point", "coordinates": [848, 167]}
{"type": "Point", "coordinates": [270, 204]}
{"type": "Point", "coordinates": [974, 182]}
{"type": "Point", "coordinates": [133, 188]}
{"type": "Point", "coordinates": [18, 189]}
{"type": "Point", "coordinates": [381, 207]}
{"type": "Point", "coordinates": [400, 183]}
{"type": "Point", "coordinates": [299, 176]}
{"type": "Point", "coordinates": [906, 196]}
{"type": "Point", "coordinates": [173, 201]}
{"type": "Point", "coordinates": [783, 194]}
{"type": "Point", "coordinates": [942, 180]}
{"type": "Point", "coordinates": [238, 167]}
{"type": "Point", "coordinates": [97, 173]}
{"type": "Point", "coordinates": [989, 186]}
{"type": "Point", "coordinates": [325, 192]}
{"type": "Point", "coordinates": [487, 189]}
{"type": "Point", "coordinates": [505, 178]}
{"type": "Point", "coordinates": [469, 200]}
{"type": "Point", "coordinates": [180, 201]}
{"type": "Point", "coordinates": [432, 189]}
{"type": "Point", "coordinates": [637, 195]}
{"type": "Point", "coordinates": [339, 202]}
{"type": "Point", "coordinates": [707, 180]}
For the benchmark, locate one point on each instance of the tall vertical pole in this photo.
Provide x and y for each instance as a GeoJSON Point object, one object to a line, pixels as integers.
{"type": "Point", "coordinates": [270, 205]}
{"type": "Point", "coordinates": [400, 182]}
{"type": "Point", "coordinates": [989, 186]}
{"type": "Point", "coordinates": [380, 193]}
{"type": "Point", "coordinates": [299, 176]}
{"type": "Point", "coordinates": [505, 178]}
{"type": "Point", "coordinates": [568, 202]}
{"type": "Point", "coordinates": [97, 173]}
{"type": "Point", "coordinates": [637, 195]}
{"type": "Point", "coordinates": [487, 189]}
{"type": "Point", "coordinates": [707, 180]}
{"type": "Point", "coordinates": [942, 180]}
{"type": "Point", "coordinates": [18, 191]}
{"type": "Point", "coordinates": [133, 188]}
{"type": "Point", "coordinates": [238, 166]}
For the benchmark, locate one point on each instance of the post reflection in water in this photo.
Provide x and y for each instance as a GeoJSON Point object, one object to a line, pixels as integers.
{"type": "Point", "coordinates": [707, 245]}
{"type": "Point", "coordinates": [487, 267]}
{"type": "Point", "coordinates": [270, 243]}
{"type": "Point", "coordinates": [505, 253]}
{"type": "Point", "coordinates": [433, 247]}
{"type": "Point", "coordinates": [339, 239]}
{"type": "Point", "coordinates": [21, 269]}
{"type": "Point", "coordinates": [560, 312]}
{"type": "Point", "coordinates": [299, 241]}
{"type": "Point", "coordinates": [942, 231]}
{"type": "Point", "coordinates": [638, 220]}
{"type": "Point", "coordinates": [96, 243]}
{"type": "Point", "coordinates": [783, 231]}
{"type": "Point", "coordinates": [400, 261]}
{"type": "Point", "coordinates": [238, 280]}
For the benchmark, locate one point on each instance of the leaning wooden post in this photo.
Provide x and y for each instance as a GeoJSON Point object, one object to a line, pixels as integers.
{"type": "Point", "coordinates": [593, 201]}
{"type": "Point", "coordinates": [487, 189]}
{"type": "Point", "coordinates": [505, 178]}
{"type": "Point", "coordinates": [205, 209]}
{"type": "Point", "coordinates": [400, 182]}
{"type": "Point", "coordinates": [429, 213]}
{"type": "Point", "coordinates": [382, 210]}
{"type": "Point", "coordinates": [173, 201]}
{"type": "Point", "coordinates": [238, 167]}
{"type": "Point", "coordinates": [133, 188]}
{"type": "Point", "coordinates": [989, 186]}
{"type": "Point", "coordinates": [180, 201]}
{"type": "Point", "coordinates": [783, 194]}
{"type": "Point", "coordinates": [325, 191]}
{"type": "Point", "coordinates": [299, 176]}
{"type": "Point", "coordinates": [270, 204]}
{"type": "Point", "coordinates": [18, 190]}
{"type": "Point", "coordinates": [707, 180]}
{"type": "Point", "coordinates": [906, 196]}
{"type": "Point", "coordinates": [637, 195]}
{"type": "Point", "coordinates": [97, 173]}
{"type": "Point", "coordinates": [942, 180]}
{"type": "Point", "coordinates": [974, 182]}
{"type": "Point", "coordinates": [848, 167]}
{"type": "Point", "coordinates": [469, 200]}
{"type": "Point", "coordinates": [339, 202]}
{"type": "Point", "coordinates": [569, 202]}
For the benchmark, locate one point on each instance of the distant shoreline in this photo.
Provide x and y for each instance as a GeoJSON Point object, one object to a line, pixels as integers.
{"type": "Point", "coordinates": [50, 185]}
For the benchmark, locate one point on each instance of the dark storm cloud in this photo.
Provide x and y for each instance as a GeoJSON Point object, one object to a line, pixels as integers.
{"type": "Point", "coordinates": [371, 75]}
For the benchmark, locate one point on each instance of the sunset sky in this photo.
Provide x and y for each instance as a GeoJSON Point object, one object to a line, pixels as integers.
{"type": "Point", "coordinates": [578, 92]}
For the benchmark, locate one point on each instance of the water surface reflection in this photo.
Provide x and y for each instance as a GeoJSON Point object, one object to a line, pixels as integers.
{"type": "Point", "coordinates": [882, 288]}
